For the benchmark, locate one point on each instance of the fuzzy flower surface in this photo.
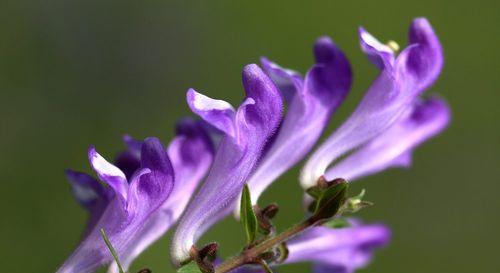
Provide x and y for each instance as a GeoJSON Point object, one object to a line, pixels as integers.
{"type": "Point", "coordinates": [395, 92]}
{"type": "Point", "coordinates": [245, 134]}
{"type": "Point", "coordinates": [310, 102]}
{"type": "Point", "coordinates": [122, 207]}
{"type": "Point", "coordinates": [191, 153]}
{"type": "Point", "coordinates": [340, 249]}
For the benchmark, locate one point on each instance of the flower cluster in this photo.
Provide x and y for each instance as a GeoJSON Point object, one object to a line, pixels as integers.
{"type": "Point", "coordinates": [150, 187]}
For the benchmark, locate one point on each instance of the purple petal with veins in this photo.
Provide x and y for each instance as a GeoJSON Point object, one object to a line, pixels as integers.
{"type": "Point", "coordinates": [311, 103]}
{"type": "Point", "coordinates": [343, 249]}
{"type": "Point", "coordinates": [131, 206]}
{"type": "Point", "coordinates": [394, 147]}
{"type": "Point", "coordinates": [246, 132]}
{"type": "Point", "coordinates": [391, 95]}
{"type": "Point", "coordinates": [191, 153]}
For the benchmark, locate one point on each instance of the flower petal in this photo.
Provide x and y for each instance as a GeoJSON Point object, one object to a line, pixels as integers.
{"type": "Point", "coordinates": [288, 81]}
{"type": "Point", "coordinates": [326, 268]}
{"type": "Point", "coordinates": [156, 226]}
{"type": "Point", "coordinates": [426, 61]}
{"type": "Point", "coordinates": [133, 146]}
{"type": "Point", "coordinates": [109, 173]}
{"type": "Point", "coordinates": [379, 54]}
{"type": "Point", "coordinates": [335, 73]}
{"type": "Point", "coordinates": [218, 113]}
{"type": "Point", "coordinates": [345, 248]}
{"type": "Point", "coordinates": [128, 163]}
{"type": "Point", "coordinates": [389, 97]}
{"type": "Point", "coordinates": [394, 147]}
{"type": "Point", "coordinates": [92, 252]}
{"type": "Point", "coordinates": [85, 188]}
{"type": "Point", "coordinates": [326, 85]}
{"type": "Point", "coordinates": [90, 194]}
{"type": "Point", "coordinates": [191, 153]}
{"type": "Point", "coordinates": [150, 187]}
{"type": "Point", "coordinates": [155, 181]}
{"type": "Point", "coordinates": [254, 123]}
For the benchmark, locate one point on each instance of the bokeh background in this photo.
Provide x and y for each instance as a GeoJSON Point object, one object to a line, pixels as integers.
{"type": "Point", "coordinates": [81, 72]}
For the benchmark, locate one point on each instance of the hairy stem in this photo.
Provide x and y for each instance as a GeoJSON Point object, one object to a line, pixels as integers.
{"type": "Point", "coordinates": [252, 254]}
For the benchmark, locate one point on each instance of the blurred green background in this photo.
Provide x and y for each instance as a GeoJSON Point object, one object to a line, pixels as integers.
{"type": "Point", "coordinates": [81, 72]}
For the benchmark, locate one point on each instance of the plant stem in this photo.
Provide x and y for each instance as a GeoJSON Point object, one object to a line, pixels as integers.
{"type": "Point", "coordinates": [251, 255]}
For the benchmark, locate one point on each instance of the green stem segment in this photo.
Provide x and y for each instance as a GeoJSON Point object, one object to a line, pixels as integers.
{"type": "Point", "coordinates": [252, 254]}
{"type": "Point", "coordinates": [112, 250]}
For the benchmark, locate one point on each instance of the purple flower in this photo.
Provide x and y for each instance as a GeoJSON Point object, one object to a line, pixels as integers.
{"type": "Point", "coordinates": [394, 147]}
{"type": "Point", "coordinates": [246, 132]}
{"type": "Point", "coordinates": [341, 249]}
{"type": "Point", "coordinates": [394, 93]}
{"type": "Point", "coordinates": [310, 104]}
{"type": "Point", "coordinates": [191, 154]}
{"type": "Point", "coordinates": [129, 205]}
{"type": "Point", "coordinates": [90, 194]}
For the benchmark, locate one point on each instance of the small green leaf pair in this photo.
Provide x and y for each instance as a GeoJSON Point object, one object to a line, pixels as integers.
{"type": "Point", "coordinates": [329, 198]}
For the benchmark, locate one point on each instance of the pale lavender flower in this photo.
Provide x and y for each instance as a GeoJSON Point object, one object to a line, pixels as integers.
{"type": "Point", "coordinates": [129, 205]}
{"type": "Point", "coordinates": [246, 131]}
{"type": "Point", "coordinates": [394, 147]}
{"type": "Point", "coordinates": [310, 104]}
{"type": "Point", "coordinates": [394, 93]}
{"type": "Point", "coordinates": [340, 249]}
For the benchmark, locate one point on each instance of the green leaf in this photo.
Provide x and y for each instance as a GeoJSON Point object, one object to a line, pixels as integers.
{"type": "Point", "coordinates": [330, 200]}
{"type": "Point", "coordinates": [247, 215]}
{"type": "Point", "coordinates": [314, 192]}
{"type": "Point", "coordinates": [191, 267]}
{"type": "Point", "coordinates": [337, 223]}
{"type": "Point", "coordinates": [112, 250]}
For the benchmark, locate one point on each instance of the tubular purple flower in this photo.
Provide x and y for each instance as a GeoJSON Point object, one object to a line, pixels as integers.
{"type": "Point", "coordinates": [191, 153]}
{"type": "Point", "coordinates": [341, 249]}
{"type": "Point", "coordinates": [246, 132]}
{"type": "Point", "coordinates": [399, 84]}
{"type": "Point", "coordinates": [311, 103]}
{"type": "Point", "coordinates": [394, 147]}
{"type": "Point", "coordinates": [129, 208]}
{"type": "Point", "coordinates": [90, 194]}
